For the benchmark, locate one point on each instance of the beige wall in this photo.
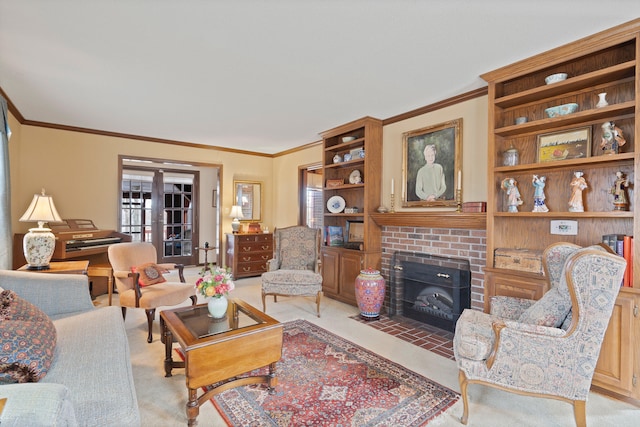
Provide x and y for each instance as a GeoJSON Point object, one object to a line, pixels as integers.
{"type": "Point", "coordinates": [80, 170]}
{"type": "Point", "coordinates": [474, 150]}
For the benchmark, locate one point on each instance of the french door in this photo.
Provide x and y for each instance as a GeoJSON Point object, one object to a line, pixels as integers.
{"type": "Point", "coordinates": [159, 206]}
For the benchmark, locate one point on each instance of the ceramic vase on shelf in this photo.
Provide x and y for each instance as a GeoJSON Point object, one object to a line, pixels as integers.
{"type": "Point", "coordinates": [370, 289]}
{"type": "Point", "coordinates": [218, 307]}
{"type": "Point", "coordinates": [602, 100]}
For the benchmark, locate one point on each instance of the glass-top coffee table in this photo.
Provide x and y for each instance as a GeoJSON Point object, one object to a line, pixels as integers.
{"type": "Point", "coordinates": [218, 350]}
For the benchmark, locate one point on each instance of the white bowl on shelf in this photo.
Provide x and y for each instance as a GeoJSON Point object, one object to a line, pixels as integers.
{"type": "Point", "coordinates": [561, 110]}
{"type": "Point", "coordinates": [348, 138]}
{"type": "Point", "coordinates": [555, 78]}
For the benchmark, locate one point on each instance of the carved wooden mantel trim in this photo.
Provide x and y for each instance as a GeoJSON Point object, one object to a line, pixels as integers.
{"type": "Point", "coordinates": [446, 219]}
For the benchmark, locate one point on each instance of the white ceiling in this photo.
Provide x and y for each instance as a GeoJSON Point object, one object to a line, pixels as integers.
{"type": "Point", "coordinates": [266, 76]}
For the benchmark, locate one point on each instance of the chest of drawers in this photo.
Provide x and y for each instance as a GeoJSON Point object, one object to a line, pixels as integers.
{"type": "Point", "coordinates": [247, 254]}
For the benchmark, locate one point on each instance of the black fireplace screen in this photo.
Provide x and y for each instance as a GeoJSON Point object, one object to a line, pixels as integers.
{"type": "Point", "coordinates": [429, 288]}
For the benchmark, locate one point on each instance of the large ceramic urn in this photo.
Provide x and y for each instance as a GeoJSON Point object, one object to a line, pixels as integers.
{"type": "Point", "coordinates": [370, 289]}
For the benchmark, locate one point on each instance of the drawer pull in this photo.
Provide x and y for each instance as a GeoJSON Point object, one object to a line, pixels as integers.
{"type": "Point", "coordinates": [246, 248]}
{"type": "Point", "coordinates": [446, 276]}
{"type": "Point", "coordinates": [246, 268]}
{"type": "Point", "coordinates": [246, 258]}
{"type": "Point", "coordinates": [265, 247]}
{"type": "Point", "coordinates": [265, 256]}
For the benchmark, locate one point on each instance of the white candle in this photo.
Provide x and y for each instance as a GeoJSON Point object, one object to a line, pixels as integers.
{"type": "Point", "coordinates": [392, 185]}
{"type": "Point", "coordinates": [459, 179]}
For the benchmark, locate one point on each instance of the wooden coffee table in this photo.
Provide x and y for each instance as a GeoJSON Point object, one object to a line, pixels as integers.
{"type": "Point", "coordinates": [219, 350]}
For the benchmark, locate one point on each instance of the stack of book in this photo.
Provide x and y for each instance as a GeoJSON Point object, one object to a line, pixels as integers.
{"type": "Point", "coordinates": [623, 246]}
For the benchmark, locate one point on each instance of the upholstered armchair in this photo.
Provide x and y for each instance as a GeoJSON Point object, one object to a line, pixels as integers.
{"type": "Point", "coordinates": [295, 267]}
{"type": "Point", "coordinates": [140, 282]}
{"type": "Point", "coordinates": [527, 351]}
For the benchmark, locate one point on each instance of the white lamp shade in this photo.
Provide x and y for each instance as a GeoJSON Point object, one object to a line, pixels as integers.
{"type": "Point", "coordinates": [42, 209]}
{"type": "Point", "coordinates": [236, 212]}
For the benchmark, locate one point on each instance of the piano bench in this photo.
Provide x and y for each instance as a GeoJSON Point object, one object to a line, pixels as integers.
{"type": "Point", "coordinates": [102, 270]}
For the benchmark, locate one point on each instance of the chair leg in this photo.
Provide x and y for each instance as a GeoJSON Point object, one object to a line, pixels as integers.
{"type": "Point", "coordinates": [462, 379]}
{"type": "Point", "coordinates": [151, 313]}
{"type": "Point", "coordinates": [580, 412]}
{"type": "Point", "coordinates": [318, 297]}
{"type": "Point", "coordinates": [194, 299]}
{"type": "Point", "coordinates": [264, 302]}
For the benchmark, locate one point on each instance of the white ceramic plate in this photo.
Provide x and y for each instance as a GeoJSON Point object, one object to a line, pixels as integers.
{"type": "Point", "coordinates": [336, 204]}
{"type": "Point", "coordinates": [355, 177]}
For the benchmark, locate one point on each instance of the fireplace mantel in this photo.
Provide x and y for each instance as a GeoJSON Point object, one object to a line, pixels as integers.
{"type": "Point", "coordinates": [440, 219]}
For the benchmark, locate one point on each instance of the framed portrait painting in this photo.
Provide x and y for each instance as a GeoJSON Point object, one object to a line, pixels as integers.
{"type": "Point", "coordinates": [431, 165]}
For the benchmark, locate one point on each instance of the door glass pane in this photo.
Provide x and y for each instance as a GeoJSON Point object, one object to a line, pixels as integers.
{"type": "Point", "coordinates": [177, 214]}
{"type": "Point", "coordinates": [136, 205]}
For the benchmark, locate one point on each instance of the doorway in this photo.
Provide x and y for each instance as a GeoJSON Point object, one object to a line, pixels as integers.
{"type": "Point", "coordinates": [159, 206]}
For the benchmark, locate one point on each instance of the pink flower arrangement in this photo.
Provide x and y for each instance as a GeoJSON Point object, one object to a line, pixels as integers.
{"type": "Point", "coordinates": [215, 282]}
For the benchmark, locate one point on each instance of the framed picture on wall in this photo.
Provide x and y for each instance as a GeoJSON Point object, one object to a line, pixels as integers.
{"type": "Point", "coordinates": [432, 165]}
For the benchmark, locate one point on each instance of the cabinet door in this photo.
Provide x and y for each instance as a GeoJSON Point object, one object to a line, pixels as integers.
{"type": "Point", "coordinates": [350, 266]}
{"type": "Point", "coordinates": [330, 272]}
{"type": "Point", "coordinates": [614, 370]}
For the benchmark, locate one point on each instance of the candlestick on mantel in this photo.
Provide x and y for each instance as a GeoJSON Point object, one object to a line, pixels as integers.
{"type": "Point", "coordinates": [392, 186]}
{"type": "Point", "coordinates": [459, 179]}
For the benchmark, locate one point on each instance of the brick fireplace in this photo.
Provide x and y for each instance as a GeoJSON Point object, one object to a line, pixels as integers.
{"type": "Point", "coordinates": [465, 243]}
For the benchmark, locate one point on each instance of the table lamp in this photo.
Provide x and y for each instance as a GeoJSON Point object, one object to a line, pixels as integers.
{"type": "Point", "coordinates": [236, 214]}
{"type": "Point", "coordinates": [38, 244]}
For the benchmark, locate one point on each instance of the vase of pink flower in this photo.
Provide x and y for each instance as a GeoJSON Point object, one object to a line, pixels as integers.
{"type": "Point", "coordinates": [215, 283]}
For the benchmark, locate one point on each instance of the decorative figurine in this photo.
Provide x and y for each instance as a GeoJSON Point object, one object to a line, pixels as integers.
{"type": "Point", "coordinates": [619, 191]}
{"type": "Point", "coordinates": [510, 186]}
{"type": "Point", "coordinates": [538, 194]}
{"type": "Point", "coordinates": [612, 138]}
{"type": "Point", "coordinates": [578, 184]}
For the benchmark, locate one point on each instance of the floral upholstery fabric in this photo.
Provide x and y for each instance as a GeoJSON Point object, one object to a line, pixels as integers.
{"type": "Point", "coordinates": [509, 307]}
{"type": "Point", "coordinates": [294, 269]}
{"type": "Point", "coordinates": [474, 336]}
{"type": "Point", "coordinates": [295, 249]}
{"type": "Point", "coordinates": [27, 340]}
{"type": "Point", "coordinates": [550, 310]}
{"type": "Point", "coordinates": [546, 360]}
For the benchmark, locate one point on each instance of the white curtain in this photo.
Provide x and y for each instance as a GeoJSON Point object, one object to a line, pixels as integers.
{"type": "Point", "coordinates": [5, 189]}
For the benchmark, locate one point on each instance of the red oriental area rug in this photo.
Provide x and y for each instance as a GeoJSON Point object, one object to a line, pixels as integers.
{"type": "Point", "coordinates": [325, 380]}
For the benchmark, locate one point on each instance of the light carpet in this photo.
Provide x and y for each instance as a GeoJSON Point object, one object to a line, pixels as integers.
{"type": "Point", "coordinates": [325, 380]}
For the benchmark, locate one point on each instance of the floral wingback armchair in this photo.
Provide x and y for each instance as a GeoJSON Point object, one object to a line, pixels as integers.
{"type": "Point", "coordinates": [533, 355]}
{"type": "Point", "coordinates": [295, 267]}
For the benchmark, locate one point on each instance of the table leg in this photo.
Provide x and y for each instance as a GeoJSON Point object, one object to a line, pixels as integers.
{"type": "Point", "coordinates": [273, 380]}
{"type": "Point", "coordinates": [168, 347]}
{"type": "Point", "coordinates": [192, 407]}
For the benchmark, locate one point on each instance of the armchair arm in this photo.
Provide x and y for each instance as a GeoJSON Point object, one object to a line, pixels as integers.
{"type": "Point", "coordinates": [55, 294]}
{"type": "Point", "coordinates": [273, 265]}
{"type": "Point", "coordinates": [179, 267]}
{"type": "Point", "coordinates": [527, 334]}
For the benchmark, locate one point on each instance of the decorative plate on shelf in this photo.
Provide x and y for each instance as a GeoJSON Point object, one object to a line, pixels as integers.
{"type": "Point", "coordinates": [355, 177]}
{"type": "Point", "coordinates": [336, 204]}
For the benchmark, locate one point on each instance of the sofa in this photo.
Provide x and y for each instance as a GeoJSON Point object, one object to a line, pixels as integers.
{"type": "Point", "coordinates": [89, 381]}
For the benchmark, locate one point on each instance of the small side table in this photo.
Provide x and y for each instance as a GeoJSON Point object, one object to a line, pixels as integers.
{"type": "Point", "coordinates": [103, 270]}
{"type": "Point", "coordinates": [206, 254]}
{"type": "Point", "coordinates": [62, 267]}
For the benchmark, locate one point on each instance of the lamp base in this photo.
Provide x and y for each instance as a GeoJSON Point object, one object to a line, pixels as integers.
{"type": "Point", "coordinates": [38, 245]}
{"type": "Point", "coordinates": [38, 268]}
{"type": "Point", "coordinates": [235, 226]}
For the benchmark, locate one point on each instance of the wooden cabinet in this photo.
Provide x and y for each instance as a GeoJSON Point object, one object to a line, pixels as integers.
{"type": "Point", "coordinates": [351, 166]}
{"type": "Point", "coordinates": [247, 254]}
{"type": "Point", "coordinates": [605, 62]}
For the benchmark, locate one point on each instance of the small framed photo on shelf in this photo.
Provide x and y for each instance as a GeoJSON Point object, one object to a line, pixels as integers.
{"type": "Point", "coordinates": [335, 236]}
{"type": "Point", "coordinates": [333, 183]}
{"type": "Point", "coordinates": [355, 231]}
{"type": "Point", "coordinates": [564, 145]}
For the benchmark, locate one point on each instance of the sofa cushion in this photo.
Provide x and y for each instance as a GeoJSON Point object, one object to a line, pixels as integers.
{"type": "Point", "coordinates": [150, 274]}
{"type": "Point", "coordinates": [27, 340]}
{"type": "Point", "coordinates": [550, 310]}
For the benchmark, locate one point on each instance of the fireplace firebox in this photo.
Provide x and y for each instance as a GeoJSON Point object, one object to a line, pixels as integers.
{"type": "Point", "coordinates": [428, 288]}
